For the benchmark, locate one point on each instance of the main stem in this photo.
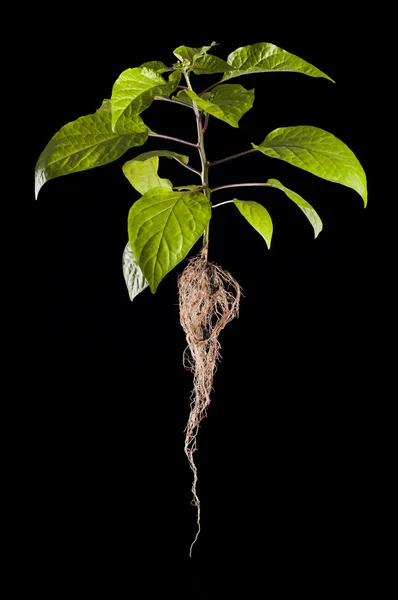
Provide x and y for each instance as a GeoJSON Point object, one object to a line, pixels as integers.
{"type": "Point", "coordinates": [205, 165]}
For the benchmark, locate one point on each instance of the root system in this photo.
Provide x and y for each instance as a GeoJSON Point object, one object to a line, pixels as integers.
{"type": "Point", "coordinates": [209, 298]}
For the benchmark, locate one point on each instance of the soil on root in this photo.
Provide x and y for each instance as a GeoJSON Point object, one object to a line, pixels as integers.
{"type": "Point", "coordinates": [209, 298]}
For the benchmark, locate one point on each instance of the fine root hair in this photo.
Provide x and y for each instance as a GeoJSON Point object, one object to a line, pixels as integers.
{"type": "Point", "coordinates": [209, 298]}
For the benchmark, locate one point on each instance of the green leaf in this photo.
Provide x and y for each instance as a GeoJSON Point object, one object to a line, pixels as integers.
{"type": "Point", "coordinates": [135, 90]}
{"type": "Point", "coordinates": [199, 61]}
{"type": "Point", "coordinates": [187, 188]}
{"type": "Point", "coordinates": [134, 277]}
{"type": "Point", "coordinates": [190, 55]}
{"type": "Point", "coordinates": [265, 57]}
{"type": "Point", "coordinates": [208, 64]}
{"type": "Point", "coordinates": [318, 152]}
{"type": "Point", "coordinates": [171, 85]}
{"type": "Point", "coordinates": [88, 142]}
{"type": "Point", "coordinates": [142, 171]}
{"type": "Point", "coordinates": [155, 65]}
{"type": "Point", "coordinates": [182, 158]}
{"type": "Point", "coordinates": [163, 226]}
{"type": "Point", "coordinates": [307, 209]}
{"type": "Point", "coordinates": [227, 102]}
{"type": "Point", "coordinates": [257, 216]}
{"type": "Point", "coordinates": [183, 97]}
{"type": "Point", "coordinates": [143, 174]}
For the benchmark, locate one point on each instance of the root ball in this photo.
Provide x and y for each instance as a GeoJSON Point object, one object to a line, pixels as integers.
{"type": "Point", "coordinates": [209, 298]}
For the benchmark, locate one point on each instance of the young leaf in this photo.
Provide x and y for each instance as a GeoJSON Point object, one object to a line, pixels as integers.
{"type": "Point", "coordinates": [307, 209]}
{"type": "Point", "coordinates": [265, 57]}
{"type": "Point", "coordinates": [143, 174]}
{"type": "Point", "coordinates": [142, 171]}
{"type": "Point", "coordinates": [199, 61]}
{"type": "Point", "coordinates": [257, 216]}
{"type": "Point", "coordinates": [88, 142]}
{"type": "Point", "coordinates": [155, 65]}
{"type": "Point", "coordinates": [163, 226]}
{"type": "Point", "coordinates": [318, 152]}
{"type": "Point", "coordinates": [134, 277]}
{"type": "Point", "coordinates": [227, 102]}
{"type": "Point", "coordinates": [183, 97]}
{"type": "Point", "coordinates": [190, 55]}
{"type": "Point", "coordinates": [174, 79]}
{"type": "Point", "coordinates": [135, 90]}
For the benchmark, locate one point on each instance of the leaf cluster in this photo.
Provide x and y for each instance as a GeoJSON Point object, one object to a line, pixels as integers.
{"type": "Point", "coordinates": [167, 220]}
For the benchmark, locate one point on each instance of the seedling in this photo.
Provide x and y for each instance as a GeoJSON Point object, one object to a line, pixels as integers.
{"type": "Point", "coordinates": [167, 220]}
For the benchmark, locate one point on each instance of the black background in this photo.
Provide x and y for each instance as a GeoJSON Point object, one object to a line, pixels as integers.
{"type": "Point", "coordinates": [287, 457]}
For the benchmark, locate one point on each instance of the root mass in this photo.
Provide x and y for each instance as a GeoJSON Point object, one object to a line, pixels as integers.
{"type": "Point", "coordinates": [209, 298]}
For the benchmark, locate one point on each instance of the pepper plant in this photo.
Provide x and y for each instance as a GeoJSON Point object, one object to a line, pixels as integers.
{"type": "Point", "coordinates": [167, 220]}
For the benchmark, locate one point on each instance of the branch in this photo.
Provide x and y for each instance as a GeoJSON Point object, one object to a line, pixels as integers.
{"type": "Point", "coordinates": [173, 139]}
{"type": "Point", "coordinates": [210, 88]}
{"type": "Point", "coordinates": [222, 160]}
{"type": "Point", "coordinates": [173, 101]}
{"type": "Point", "coordinates": [189, 167]}
{"type": "Point", "coordinates": [233, 185]}
{"type": "Point", "coordinates": [221, 203]}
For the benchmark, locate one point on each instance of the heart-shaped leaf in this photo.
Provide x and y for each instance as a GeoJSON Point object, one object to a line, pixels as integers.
{"type": "Point", "coordinates": [163, 226]}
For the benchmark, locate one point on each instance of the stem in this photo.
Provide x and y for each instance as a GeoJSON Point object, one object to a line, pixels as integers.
{"type": "Point", "coordinates": [221, 203]}
{"type": "Point", "coordinates": [205, 164]}
{"type": "Point", "coordinates": [173, 139]}
{"type": "Point", "coordinates": [172, 101]}
{"type": "Point", "coordinates": [232, 185]}
{"type": "Point", "coordinates": [222, 160]}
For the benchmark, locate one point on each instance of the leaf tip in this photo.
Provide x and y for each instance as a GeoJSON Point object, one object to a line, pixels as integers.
{"type": "Point", "coordinates": [317, 232]}
{"type": "Point", "coordinates": [38, 183]}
